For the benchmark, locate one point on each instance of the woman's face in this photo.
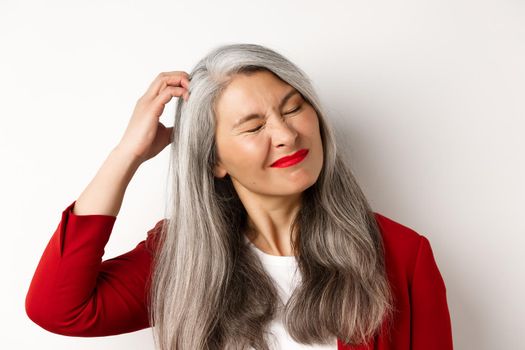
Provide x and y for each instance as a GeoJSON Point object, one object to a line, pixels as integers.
{"type": "Point", "coordinates": [281, 123]}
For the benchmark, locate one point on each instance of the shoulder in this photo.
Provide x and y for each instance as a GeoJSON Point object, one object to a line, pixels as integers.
{"type": "Point", "coordinates": [402, 245]}
{"type": "Point", "coordinates": [154, 234]}
{"type": "Point", "coordinates": [396, 234]}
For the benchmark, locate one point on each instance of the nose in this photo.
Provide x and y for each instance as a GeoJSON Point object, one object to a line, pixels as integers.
{"type": "Point", "coordinates": [281, 132]}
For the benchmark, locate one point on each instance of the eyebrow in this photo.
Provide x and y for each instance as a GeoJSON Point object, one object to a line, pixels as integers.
{"type": "Point", "coordinates": [255, 115]}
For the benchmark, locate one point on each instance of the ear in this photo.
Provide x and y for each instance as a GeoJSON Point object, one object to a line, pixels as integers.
{"type": "Point", "coordinates": [219, 171]}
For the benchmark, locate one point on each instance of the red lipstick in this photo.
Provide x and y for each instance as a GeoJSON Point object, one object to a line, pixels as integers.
{"type": "Point", "coordinates": [291, 159]}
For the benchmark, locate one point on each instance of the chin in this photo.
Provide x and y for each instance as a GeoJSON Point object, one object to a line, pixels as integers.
{"type": "Point", "coordinates": [300, 188]}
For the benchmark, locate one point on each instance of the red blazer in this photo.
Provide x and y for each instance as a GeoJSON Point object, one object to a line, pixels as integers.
{"type": "Point", "coordinates": [73, 292]}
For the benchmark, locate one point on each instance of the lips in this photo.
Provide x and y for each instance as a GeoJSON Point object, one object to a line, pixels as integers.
{"type": "Point", "coordinates": [291, 159]}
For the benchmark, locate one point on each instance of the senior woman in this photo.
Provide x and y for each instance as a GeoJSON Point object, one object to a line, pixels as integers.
{"type": "Point", "coordinates": [268, 241]}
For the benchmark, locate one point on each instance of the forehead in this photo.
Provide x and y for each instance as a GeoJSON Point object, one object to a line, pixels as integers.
{"type": "Point", "coordinates": [247, 94]}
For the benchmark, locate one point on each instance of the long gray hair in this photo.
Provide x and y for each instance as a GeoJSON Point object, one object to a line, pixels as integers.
{"type": "Point", "coordinates": [208, 289]}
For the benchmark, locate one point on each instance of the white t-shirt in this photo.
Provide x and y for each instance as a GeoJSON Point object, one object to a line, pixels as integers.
{"type": "Point", "coordinates": [284, 271]}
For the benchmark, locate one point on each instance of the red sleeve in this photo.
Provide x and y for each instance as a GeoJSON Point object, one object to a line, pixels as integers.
{"type": "Point", "coordinates": [73, 292]}
{"type": "Point", "coordinates": [430, 319]}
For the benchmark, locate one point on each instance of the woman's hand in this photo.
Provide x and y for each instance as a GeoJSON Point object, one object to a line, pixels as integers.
{"type": "Point", "coordinates": [145, 135]}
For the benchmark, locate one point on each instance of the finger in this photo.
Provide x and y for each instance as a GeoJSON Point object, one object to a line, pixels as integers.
{"type": "Point", "coordinates": [183, 87]}
{"type": "Point", "coordinates": [175, 78]}
{"type": "Point", "coordinates": [167, 80]}
{"type": "Point", "coordinates": [167, 93]}
{"type": "Point", "coordinates": [185, 82]}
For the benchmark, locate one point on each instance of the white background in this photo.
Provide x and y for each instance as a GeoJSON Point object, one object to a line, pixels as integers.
{"type": "Point", "coordinates": [427, 97]}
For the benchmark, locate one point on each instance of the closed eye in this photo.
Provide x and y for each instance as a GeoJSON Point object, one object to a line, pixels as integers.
{"type": "Point", "coordinates": [293, 110]}
{"type": "Point", "coordinates": [253, 130]}
{"type": "Point", "coordinates": [289, 112]}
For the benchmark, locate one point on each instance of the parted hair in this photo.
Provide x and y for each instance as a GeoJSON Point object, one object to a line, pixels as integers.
{"type": "Point", "coordinates": [209, 290]}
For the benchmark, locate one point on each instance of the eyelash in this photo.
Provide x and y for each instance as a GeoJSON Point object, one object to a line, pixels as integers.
{"type": "Point", "coordinates": [259, 127]}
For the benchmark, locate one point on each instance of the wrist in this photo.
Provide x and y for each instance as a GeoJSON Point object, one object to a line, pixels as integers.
{"type": "Point", "coordinates": [127, 158]}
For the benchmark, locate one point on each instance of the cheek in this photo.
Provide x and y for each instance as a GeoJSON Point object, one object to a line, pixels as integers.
{"type": "Point", "coordinates": [308, 124]}
{"type": "Point", "coordinates": [246, 153]}
{"type": "Point", "coordinates": [247, 148]}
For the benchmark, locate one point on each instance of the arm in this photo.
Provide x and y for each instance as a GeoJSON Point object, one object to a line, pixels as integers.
{"type": "Point", "coordinates": [74, 293]}
{"type": "Point", "coordinates": [431, 325]}
{"type": "Point", "coordinates": [105, 193]}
